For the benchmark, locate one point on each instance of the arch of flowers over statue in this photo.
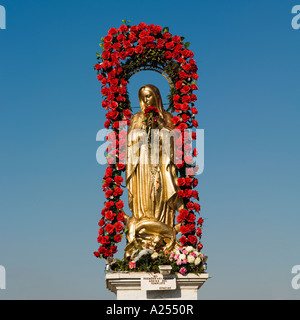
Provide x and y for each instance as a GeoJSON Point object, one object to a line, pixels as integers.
{"type": "Point", "coordinates": [126, 51]}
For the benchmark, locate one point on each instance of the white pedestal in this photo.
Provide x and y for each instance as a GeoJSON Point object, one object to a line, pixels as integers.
{"type": "Point", "coordinates": [127, 286]}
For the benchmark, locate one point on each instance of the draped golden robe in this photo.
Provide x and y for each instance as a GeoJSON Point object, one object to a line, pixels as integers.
{"type": "Point", "coordinates": [152, 185]}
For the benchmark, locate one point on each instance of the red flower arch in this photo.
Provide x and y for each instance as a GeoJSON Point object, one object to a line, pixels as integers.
{"type": "Point", "coordinates": [127, 50]}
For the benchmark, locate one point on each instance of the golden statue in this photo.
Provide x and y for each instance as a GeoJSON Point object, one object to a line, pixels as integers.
{"type": "Point", "coordinates": [152, 187]}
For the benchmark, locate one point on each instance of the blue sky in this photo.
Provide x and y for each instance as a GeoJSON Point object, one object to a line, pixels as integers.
{"type": "Point", "coordinates": [248, 102]}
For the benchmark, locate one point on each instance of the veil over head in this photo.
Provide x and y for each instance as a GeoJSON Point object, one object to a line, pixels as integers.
{"type": "Point", "coordinates": [155, 93]}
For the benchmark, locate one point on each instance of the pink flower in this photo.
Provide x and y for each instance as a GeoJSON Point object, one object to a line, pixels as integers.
{"type": "Point", "coordinates": [132, 265]}
{"type": "Point", "coordinates": [178, 262]}
{"type": "Point", "coordinates": [183, 271]}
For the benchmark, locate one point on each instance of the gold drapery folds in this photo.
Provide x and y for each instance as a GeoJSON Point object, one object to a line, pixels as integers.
{"type": "Point", "coordinates": [151, 179]}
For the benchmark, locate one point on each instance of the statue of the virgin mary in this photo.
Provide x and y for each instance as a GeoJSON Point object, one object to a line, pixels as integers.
{"type": "Point", "coordinates": [152, 185]}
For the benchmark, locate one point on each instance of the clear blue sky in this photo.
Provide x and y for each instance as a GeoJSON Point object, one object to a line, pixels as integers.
{"type": "Point", "coordinates": [249, 107]}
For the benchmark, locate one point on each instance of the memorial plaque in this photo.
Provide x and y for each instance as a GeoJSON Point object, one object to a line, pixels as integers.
{"type": "Point", "coordinates": [158, 282]}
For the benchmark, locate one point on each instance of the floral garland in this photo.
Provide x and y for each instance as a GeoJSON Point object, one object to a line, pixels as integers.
{"type": "Point", "coordinates": [127, 50]}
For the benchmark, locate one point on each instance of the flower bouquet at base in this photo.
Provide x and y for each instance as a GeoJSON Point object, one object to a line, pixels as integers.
{"type": "Point", "coordinates": [183, 260]}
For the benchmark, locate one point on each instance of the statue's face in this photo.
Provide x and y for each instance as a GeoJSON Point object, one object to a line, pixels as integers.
{"type": "Point", "coordinates": [148, 98]}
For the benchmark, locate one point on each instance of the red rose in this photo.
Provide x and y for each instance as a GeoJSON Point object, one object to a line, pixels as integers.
{"type": "Point", "coordinates": [195, 194]}
{"type": "Point", "coordinates": [109, 228]}
{"type": "Point", "coordinates": [197, 207]}
{"type": "Point", "coordinates": [195, 123]}
{"type": "Point", "coordinates": [168, 55]}
{"type": "Point", "coordinates": [176, 120]}
{"type": "Point", "coordinates": [186, 98]}
{"type": "Point", "coordinates": [112, 31]}
{"type": "Point", "coordinates": [199, 232]}
{"type": "Point", "coordinates": [188, 193]}
{"type": "Point", "coordinates": [167, 35]}
{"type": "Point", "coordinates": [182, 126]}
{"type": "Point", "coordinates": [180, 182]}
{"type": "Point", "coordinates": [192, 239]}
{"type": "Point", "coordinates": [170, 45]}
{"type": "Point", "coordinates": [108, 193]}
{"type": "Point", "coordinates": [119, 226]}
{"type": "Point", "coordinates": [194, 110]}
{"type": "Point", "coordinates": [190, 205]}
{"type": "Point", "coordinates": [118, 191]}
{"type": "Point", "coordinates": [200, 221]}
{"type": "Point", "coordinates": [123, 28]}
{"type": "Point", "coordinates": [108, 181]}
{"type": "Point", "coordinates": [183, 240]}
{"type": "Point", "coordinates": [199, 246]}
{"type": "Point", "coordinates": [134, 29]}
{"type": "Point", "coordinates": [185, 117]}
{"type": "Point", "coordinates": [96, 254]}
{"type": "Point", "coordinates": [176, 39]}
{"type": "Point", "coordinates": [108, 38]}
{"type": "Point", "coordinates": [119, 204]}
{"type": "Point", "coordinates": [185, 89]}
{"type": "Point", "coordinates": [109, 204]}
{"type": "Point", "coordinates": [142, 26]}
{"type": "Point", "coordinates": [116, 46]}
{"type": "Point", "coordinates": [191, 227]}
{"type": "Point", "coordinates": [101, 223]}
{"type": "Point", "coordinates": [191, 217]}
{"type": "Point", "coordinates": [195, 76]}
{"type": "Point", "coordinates": [120, 217]}
{"type": "Point", "coordinates": [183, 75]}
{"type": "Point", "coordinates": [121, 166]}
{"type": "Point", "coordinates": [184, 229]}
{"type": "Point", "coordinates": [127, 113]}
{"type": "Point", "coordinates": [139, 49]}
{"type": "Point", "coordinates": [118, 180]}
{"type": "Point", "coordinates": [105, 240]}
{"type": "Point", "coordinates": [117, 238]}
{"type": "Point", "coordinates": [109, 215]}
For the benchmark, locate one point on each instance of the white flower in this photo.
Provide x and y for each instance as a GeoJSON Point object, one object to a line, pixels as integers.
{"type": "Point", "coordinates": [190, 259]}
{"type": "Point", "coordinates": [182, 256]}
{"type": "Point", "coordinates": [197, 261]}
{"type": "Point", "coordinates": [189, 248]}
{"type": "Point", "coordinates": [154, 255]}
